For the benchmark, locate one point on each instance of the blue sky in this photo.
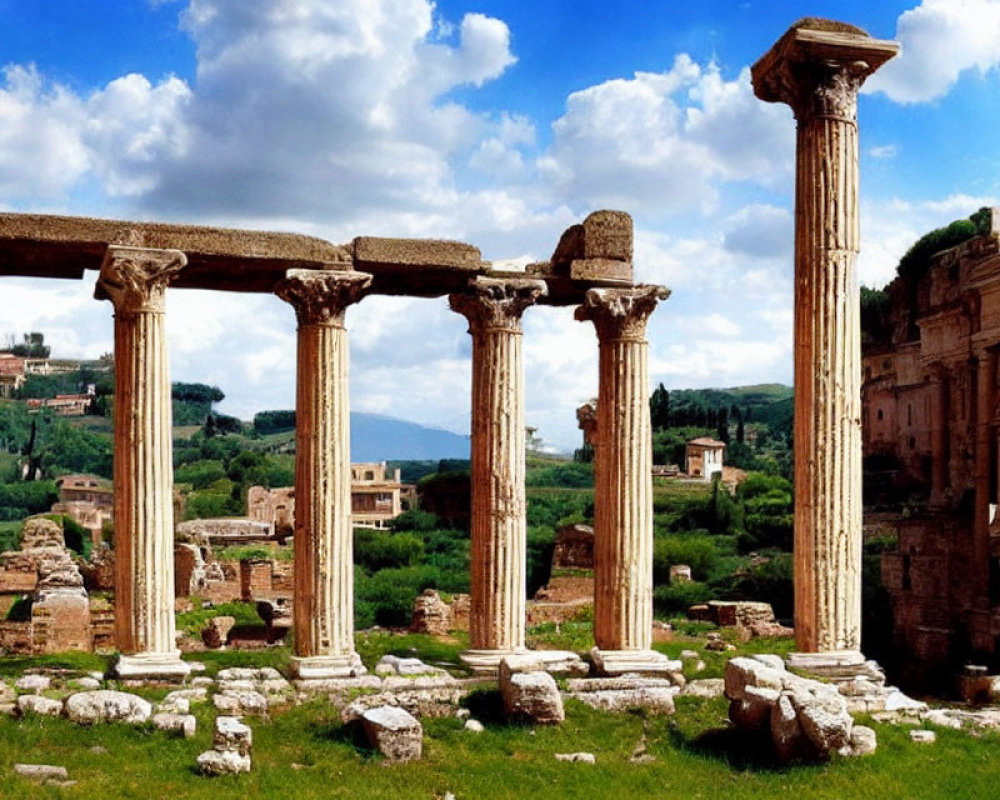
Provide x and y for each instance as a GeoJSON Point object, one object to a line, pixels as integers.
{"type": "Point", "coordinates": [499, 123]}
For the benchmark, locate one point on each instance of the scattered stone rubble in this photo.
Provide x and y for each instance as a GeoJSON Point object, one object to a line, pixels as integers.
{"type": "Point", "coordinates": [232, 743]}
{"type": "Point", "coordinates": [625, 693]}
{"type": "Point", "coordinates": [394, 732]}
{"type": "Point", "coordinates": [529, 692]}
{"type": "Point", "coordinates": [807, 720]}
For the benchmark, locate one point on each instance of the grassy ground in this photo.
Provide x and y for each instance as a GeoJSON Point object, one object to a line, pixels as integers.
{"type": "Point", "coordinates": [304, 752]}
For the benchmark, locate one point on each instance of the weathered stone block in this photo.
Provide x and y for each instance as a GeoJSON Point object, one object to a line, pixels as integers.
{"type": "Point", "coordinates": [106, 705]}
{"type": "Point", "coordinates": [231, 735]}
{"type": "Point", "coordinates": [533, 697]}
{"type": "Point", "coordinates": [395, 733]}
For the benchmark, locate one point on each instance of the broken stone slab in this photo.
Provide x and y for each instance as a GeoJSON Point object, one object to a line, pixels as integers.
{"type": "Point", "coordinates": [336, 686]}
{"type": "Point", "coordinates": [474, 726]}
{"type": "Point", "coordinates": [176, 705]}
{"type": "Point", "coordinates": [395, 683]}
{"type": "Point", "coordinates": [214, 762]}
{"type": "Point", "coordinates": [395, 665]}
{"type": "Point", "coordinates": [752, 711]}
{"type": "Point", "coordinates": [195, 695]}
{"type": "Point", "coordinates": [922, 736]}
{"type": "Point", "coordinates": [863, 742]}
{"type": "Point", "coordinates": [232, 735]}
{"type": "Point", "coordinates": [580, 758]}
{"type": "Point", "coordinates": [107, 705]}
{"type": "Point", "coordinates": [37, 704]}
{"type": "Point", "coordinates": [532, 697]}
{"type": "Point", "coordinates": [33, 684]}
{"type": "Point", "coordinates": [622, 682]}
{"type": "Point", "coordinates": [41, 772]}
{"type": "Point", "coordinates": [241, 702]}
{"type": "Point", "coordinates": [182, 724]}
{"type": "Point", "coordinates": [656, 699]}
{"type": "Point", "coordinates": [704, 687]}
{"type": "Point", "coordinates": [87, 684]}
{"type": "Point", "coordinates": [423, 703]}
{"type": "Point", "coordinates": [395, 733]}
{"type": "Point", "coordinates": [899, 702]}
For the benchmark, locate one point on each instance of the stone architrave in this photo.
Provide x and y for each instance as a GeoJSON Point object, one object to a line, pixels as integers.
{"type": "Point", "coordinates": [493, 307]}
{"type": "Point", "coordinates": [817, 68]}
{"type": "Point", "coordinates": [135, 281]}
{"type": "Point", "coordinates": [623, 481]}
{"type": "Point", "coordinates": [323, 540]}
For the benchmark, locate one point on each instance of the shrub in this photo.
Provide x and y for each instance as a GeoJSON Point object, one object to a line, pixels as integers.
{"type": "Point", "coordinates": [375, 550]}
{"type": "Point", "coordinates": [698, 552]}
{"type": "Point", "coordinates": [676, 598]}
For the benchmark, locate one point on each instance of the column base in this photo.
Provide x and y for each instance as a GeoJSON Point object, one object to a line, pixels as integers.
{"type": "Point", "coordinates": [321, 668]}
{"type": "Point", "coordinates": [643, 662]}
{"type": "Point", "coordinates": [559, 662]}
{"type": "Point", "coordinates": [836, 666]}
{"type": "Point", "coordinates": [151, 666]}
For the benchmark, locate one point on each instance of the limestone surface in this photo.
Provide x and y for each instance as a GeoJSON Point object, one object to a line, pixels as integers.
{"type": "Point", "coordinates": [532, 697]}
{"type": "Point", "coordinates": [395, 733]}
{"type": "Point", "coordinates": [107, 705]}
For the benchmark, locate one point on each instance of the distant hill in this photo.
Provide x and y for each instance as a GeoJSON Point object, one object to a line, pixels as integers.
{"type": "Point", "coordinates": [379, 438]}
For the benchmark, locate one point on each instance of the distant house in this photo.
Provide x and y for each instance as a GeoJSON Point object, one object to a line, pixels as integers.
{"type": "Point", "coordinates": [64, 405]}
{"type": "Point", "coordinates": [704, 457]}
{"type": "Point", "coordinates": [12, 374]}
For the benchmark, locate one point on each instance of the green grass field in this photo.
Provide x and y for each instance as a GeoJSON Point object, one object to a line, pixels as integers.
{"type": "Point", "coordinates": [304, 752]}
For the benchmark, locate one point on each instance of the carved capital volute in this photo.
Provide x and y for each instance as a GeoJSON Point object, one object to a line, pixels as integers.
{"type": "Point", "coordinates": [827, 89]}
{"type": "Point", "coordinates": [496, 303]}
{"type": "Point", "coordinates": [135, 279]}
{"type": "Point", "coordinates": [621, 313]}
{"type": "Point", "coordinates": [320, 297]}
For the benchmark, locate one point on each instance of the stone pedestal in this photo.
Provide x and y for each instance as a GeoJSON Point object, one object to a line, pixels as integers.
{"type": "Point", "coordinates": [135, 280]}
{"type": "Point", "coordinates": [324, 543]}
{"type": "Point", "coordinates": [817, 68]}
{"type": "Point", "coordinates": [498, 523]}
{"type": "Point", "coordinates": [623, 482]}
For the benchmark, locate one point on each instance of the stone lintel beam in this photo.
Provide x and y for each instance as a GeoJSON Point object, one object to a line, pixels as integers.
{"type": "Point", "coordinates": [623, 482]}
{"type": "Point", "coordinates": [218, 258]}
{"type": "Point", "coordinates": [817, 67]}
{"type": "Point", "coordinates": [493, 308]}
{"type": "Point", "coordinates": [323, 539]}
{"type": "Point", "coordinates": [135, 279]}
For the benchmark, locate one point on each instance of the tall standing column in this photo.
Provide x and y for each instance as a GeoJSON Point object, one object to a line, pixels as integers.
{"type": "Point", "coordinates": [135, 281]}
{"type": "Point", "coordinates": [979, 574]}
{"type": "Point", "coordinates": [623, 482]}
{"type": "Point", "coordinates": [817, 68]}
{"type": "Point", "coordinates": [324, 539]}
{"type": "Point", "coordinates": [494, 307]}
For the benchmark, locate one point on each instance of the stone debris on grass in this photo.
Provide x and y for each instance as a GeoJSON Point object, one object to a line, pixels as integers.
{"type": "Point", "coordinates": [33, 684]}
{"type": "Point", "coordinates": [474, 726]}
{"type": "Point", "coordinates": [216, 633]}
{"type": "Point", "coordinates": [182, 724]}
{"type": "Point", "coordinates": [807, 720]}
{"type": "Point", "coordinates": [107, 705]}
{"type": "Point", "coordinates": [37, 704]}
{"type": "Point", "coordinates": [530, 695]}
{"type": "Point", "coordinates": [625, 692]}
{"type": "Point", "coordinates": [923, 736]}
{"type": "Point", "coordinates": [237, 702]}
{"type": "Point", "coordinates": [394, 732]}
{"type": "Point", "coordinates": [232, 745]}
{"type": "Point", "coordinates": [582, 758]}
{"type": "Point", "coordinates": [407, 667]}
{"type": "Point", "coordinates": [41, 772]}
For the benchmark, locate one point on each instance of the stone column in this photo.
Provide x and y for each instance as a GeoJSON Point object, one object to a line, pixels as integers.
{"type": "Point", "coordinates": [817, 68]}
{"type": "Point", "coordinates": [135, 280]}
{"type": "Point", "coordinates": [623, 482]}
{"type": "Point", "coordinates": [324, 539]}
{"type": "Point", "coordinates": [493, 307]}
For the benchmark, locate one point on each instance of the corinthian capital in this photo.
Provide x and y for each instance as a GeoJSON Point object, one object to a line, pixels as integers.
{"type": "Point", "coordinates": [135, 279]}
{"type": "Point", "coordinates": [817, 68]}
{"type": "Point", "coordinates": [621, 313]}
{"type": "Point", "coordinates": [320, 297]}
{"type": "Point", "coordinates": [496, 303]}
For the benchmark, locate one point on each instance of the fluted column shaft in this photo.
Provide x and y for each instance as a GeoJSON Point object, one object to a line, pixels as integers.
{"type": "Point", "coordinates": [818, 73]}
{"type": "Point", "coordinates": [498, 521]}
{"type": "Point", "coordinates": [623, 482]}
{"type": "Point", "coordinates": [135, 281]}
{"type": "Point", "coordinates": [323, 541]}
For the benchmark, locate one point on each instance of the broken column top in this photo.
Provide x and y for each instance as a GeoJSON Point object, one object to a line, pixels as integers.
{"type": "Point", "coordinates": [814, 41]}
